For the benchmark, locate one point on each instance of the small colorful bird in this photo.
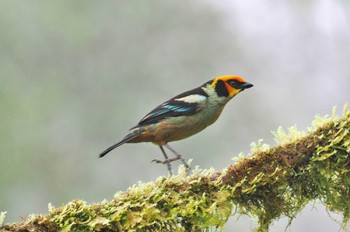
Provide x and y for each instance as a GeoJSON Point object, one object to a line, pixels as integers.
{"type": "Point", "coordinates": [184, 115]}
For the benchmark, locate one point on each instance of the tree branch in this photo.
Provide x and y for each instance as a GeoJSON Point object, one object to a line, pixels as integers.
{"type": "Point", "coordinates": [271, 183]}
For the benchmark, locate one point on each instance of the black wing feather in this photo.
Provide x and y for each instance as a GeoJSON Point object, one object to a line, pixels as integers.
{"type": "Point", "coordinates": [173, 108]}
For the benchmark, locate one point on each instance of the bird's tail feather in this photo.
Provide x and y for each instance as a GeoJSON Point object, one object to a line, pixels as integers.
{"type": "Point", "coordinates": [126, 139]}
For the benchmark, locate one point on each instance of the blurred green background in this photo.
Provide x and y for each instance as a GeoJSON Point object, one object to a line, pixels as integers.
{"type": "Point", "coordinates": [76, 75]}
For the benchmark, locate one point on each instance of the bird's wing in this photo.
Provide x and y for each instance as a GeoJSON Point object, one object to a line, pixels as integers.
{"type": "Point", "coordinates": [185, 104]}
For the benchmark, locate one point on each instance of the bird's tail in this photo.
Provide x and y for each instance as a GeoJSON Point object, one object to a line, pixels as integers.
{"type": "Point", "coordinates": [126, 139]}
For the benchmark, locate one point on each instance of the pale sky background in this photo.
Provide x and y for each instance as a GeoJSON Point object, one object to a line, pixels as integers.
{"type": "Point", "coordinates": [76, 75]}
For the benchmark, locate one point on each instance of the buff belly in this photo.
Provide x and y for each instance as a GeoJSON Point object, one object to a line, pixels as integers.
{"type": "Point", "coordinates": [175, 128]}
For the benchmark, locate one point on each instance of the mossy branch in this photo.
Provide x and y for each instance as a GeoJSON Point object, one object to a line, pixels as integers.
{"type": "Point", "coordinates": [271, 183]}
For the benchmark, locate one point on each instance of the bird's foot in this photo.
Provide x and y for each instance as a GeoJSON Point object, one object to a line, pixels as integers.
{"type": "Point", "coordinates": [168, 161]}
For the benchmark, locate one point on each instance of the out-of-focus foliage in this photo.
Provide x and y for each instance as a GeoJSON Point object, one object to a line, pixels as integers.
{"type": "Point", "coordinates": [76, 75]}
{"type": "Point", "coordinates": [73, 73]}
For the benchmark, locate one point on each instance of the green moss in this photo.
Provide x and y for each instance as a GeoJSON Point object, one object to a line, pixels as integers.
{"type": "Point", "coordinates": [2, 217]}
{"type": "Point", "coordinates": [269, 184]}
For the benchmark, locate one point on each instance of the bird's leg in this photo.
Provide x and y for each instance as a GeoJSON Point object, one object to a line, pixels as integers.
{"type": "Point", "coordinates": [178, 156]}
{"type": "Point", "coordinates": [166, 161]}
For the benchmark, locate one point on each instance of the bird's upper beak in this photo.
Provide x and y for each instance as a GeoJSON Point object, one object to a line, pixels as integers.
{"type": "Point", "coordinates": [246, 85]}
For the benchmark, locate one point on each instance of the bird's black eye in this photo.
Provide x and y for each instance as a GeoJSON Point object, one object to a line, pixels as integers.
{"type": "Point", "coordinates": [234, 84]}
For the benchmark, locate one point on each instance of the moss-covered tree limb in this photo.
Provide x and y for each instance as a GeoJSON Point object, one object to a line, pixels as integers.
{"type": "Point", "coordinates": [269, 184]}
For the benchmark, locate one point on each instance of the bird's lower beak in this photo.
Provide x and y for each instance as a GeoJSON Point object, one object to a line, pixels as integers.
{"type": "Point", "coordinates": [246, 85]}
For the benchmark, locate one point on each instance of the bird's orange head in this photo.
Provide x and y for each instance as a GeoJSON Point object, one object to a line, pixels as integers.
{"type": "Point", "coordinates": [229, 86]}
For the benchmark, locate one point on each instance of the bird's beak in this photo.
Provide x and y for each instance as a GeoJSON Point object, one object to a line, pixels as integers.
{"type": "Point", "coordinates": [246, 85]}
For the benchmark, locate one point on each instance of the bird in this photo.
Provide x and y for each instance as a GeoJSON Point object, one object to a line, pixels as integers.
{"type": "Point", "coordinates": [184, 115]}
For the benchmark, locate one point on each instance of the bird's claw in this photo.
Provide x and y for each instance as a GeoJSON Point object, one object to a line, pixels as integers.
{"type": "Point", "coordinates": [168, 161]}
{"type": "Point", "coordinates": [158, 161]}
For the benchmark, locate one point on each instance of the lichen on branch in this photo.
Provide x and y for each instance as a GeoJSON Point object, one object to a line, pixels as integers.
{"type": "Point", "coordinates": [269, 184]}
